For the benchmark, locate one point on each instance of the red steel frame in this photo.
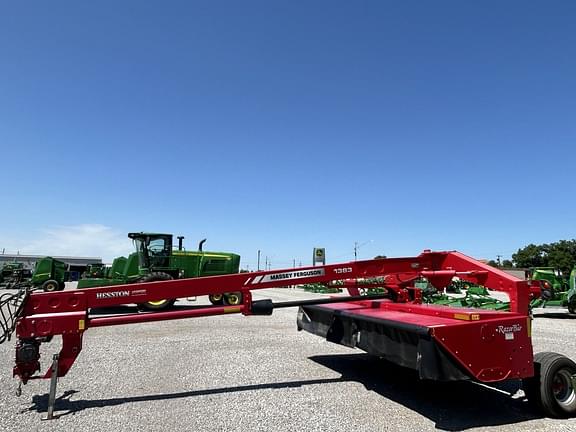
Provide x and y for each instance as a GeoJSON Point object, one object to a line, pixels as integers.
{"type": "Point", "coordinates": [491, 346]}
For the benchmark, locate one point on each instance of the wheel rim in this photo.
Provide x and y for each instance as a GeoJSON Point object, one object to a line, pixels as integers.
{"type": "Point", "coordinates": [157, 303]}
{"type": "Point", "coordinates": [563, 390]}
{"type": "Point", "coordinates": [50, 287]}
{"type": "Point", "coordinates": [216, 297]}
{"type": "Point", "coordinates": [233, 299]}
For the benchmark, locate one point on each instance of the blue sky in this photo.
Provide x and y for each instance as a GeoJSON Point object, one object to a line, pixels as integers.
{"type": "Point", "coordinates": [281, 126]}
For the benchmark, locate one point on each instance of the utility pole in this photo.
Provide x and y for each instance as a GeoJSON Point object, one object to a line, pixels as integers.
{"type": "Point", "coordinates": [356, 246]}
{"type": "Point", "coordinates": [258, 259]}
{"type": "Point", "coordinates": [498, 260]}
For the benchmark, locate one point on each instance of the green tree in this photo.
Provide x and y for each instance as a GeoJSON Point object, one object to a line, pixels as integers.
{"type": "Point", "coordinates": [560, 255]}
{"type": "Point", "coordinates": [531, 256]}
{"type": "Point", "coordinates": [507, 263]}
{"type": "Point", "coordinates": [492, 263]}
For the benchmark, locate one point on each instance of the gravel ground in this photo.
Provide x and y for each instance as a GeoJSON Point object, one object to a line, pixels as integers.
{"type": "Point", "coordinates": [234, 373]}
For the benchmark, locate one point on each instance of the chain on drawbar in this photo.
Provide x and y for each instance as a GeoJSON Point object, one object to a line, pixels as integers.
{"type": "Point", "coordinates": [11, 305]}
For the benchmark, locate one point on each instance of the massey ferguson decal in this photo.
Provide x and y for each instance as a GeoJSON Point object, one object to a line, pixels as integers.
{"type": "Point", "coordinates": [293, 275]}
{"type": "Point", "coordinates": [285, 276]}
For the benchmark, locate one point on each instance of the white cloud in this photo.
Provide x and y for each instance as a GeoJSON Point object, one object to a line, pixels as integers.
{"type": "Point", "coordinates": [90, 240]}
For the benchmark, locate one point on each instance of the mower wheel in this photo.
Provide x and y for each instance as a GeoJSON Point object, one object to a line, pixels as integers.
{"type": "Point", "coordinates": [552, 387]}
{"type": "Point", "coordinates": [158, 304]}
{"type": "Point", "coordinates": [216, 299]}
{"type": "Point", "coordinates": [233, 299]}
{"type": "Point", "coordinates": [50, 285]}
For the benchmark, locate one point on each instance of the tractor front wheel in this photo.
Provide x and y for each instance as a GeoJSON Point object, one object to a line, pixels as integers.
{"type": "Point", "coordinates": [50, 285]}
{"type": "Point", "coordinates": [552, 387]}
{"type": "Point", "coordinates": [158, 304]}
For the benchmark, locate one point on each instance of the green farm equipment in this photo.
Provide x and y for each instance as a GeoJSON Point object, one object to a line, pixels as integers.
{"type": "Point", "coordinates": [96, 270]}
{"type": "Point", "coordinates": [460, 293]}
{"type": "Point", "coordinates": [49, 274]}
{"type": "Point", "coordinates": [13, 273]}
{"type": "Point", "coordinates": [155, 259]}
{"type": "Point", "coordinates": [555, 289]}
{"type": "Point", "coordinates": [475, 296]}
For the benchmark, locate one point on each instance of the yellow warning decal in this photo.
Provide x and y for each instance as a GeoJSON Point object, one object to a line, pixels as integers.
{"type": "Point", "coordinates": [467, 317]}
{"type": "Point", "coordinates": [81, 325]}
{"type": "Point", "coordinates": [232, 309]}
{"type": "Point", "coordinates": [529, 327]}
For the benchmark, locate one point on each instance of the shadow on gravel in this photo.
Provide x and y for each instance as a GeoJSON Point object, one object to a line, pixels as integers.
{"type": "Point", "coordinates": [131, 309]}
{"type": "Point", "coordinates": [453, 406]}
{"type": "Point", "coordinates": [555, 315]}
{"type": "Point", "coordinates": [65, 405]}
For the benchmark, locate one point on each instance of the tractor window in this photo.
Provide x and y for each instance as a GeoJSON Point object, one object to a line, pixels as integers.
{"type": "Point", "coordinates": [159, 249]}
{"type": "Point", "coordinates": [142, 255]}
{"type": "Point", "coordinates": [157, 246]}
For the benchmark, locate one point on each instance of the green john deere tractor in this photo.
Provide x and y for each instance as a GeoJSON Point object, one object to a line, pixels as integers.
{"type": "Point", "coordinates": [555, 289]}
{"type": "Point", "coordinates": [155, 259]}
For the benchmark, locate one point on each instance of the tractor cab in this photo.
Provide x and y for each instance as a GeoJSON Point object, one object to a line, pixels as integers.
{"type": "Point", "coordinates": [154, 250]}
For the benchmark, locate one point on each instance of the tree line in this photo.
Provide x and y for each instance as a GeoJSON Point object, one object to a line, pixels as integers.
{"type": "Point", "coordinates": [560, 255]}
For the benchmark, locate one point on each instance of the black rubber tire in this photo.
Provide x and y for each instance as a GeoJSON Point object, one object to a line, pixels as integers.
{"type": "Point", "coordinates": [572, 305]}
{"type": "Point", "coordinates": [233, 299]}
{"type": "Point", "coordinates": [61, 286]}
{"type": "Point", "coordinates": [50, 285]}
{"type": "Point", "coordinates": [216, 299]}
{"type": "Point", "coordinates": [551, 389]}
{"type": "Point", "coordinates": [157, 306]}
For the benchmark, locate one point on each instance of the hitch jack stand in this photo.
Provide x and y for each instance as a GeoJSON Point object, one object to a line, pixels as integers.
{"type": "Point", "coordinates": [53, 383]}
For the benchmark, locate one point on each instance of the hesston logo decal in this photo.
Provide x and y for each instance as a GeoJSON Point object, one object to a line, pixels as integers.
{"type": "Point", "coordinates": [112, 294]}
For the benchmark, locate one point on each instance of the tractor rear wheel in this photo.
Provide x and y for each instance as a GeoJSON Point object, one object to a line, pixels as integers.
{"type": "Point", "coordinates": [552, 387]}
{"type": "Point", "coordinates": [233, 299]}
{"type": "Point", "coordinates": [158, 304]}
{"type": "Point", "coordinates": [50, 285]}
